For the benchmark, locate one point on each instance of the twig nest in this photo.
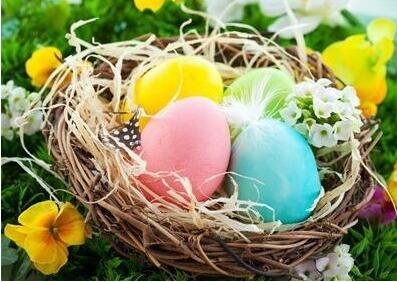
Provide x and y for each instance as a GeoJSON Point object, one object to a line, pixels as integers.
{"type": "Point", "coordinates": [189, 136]}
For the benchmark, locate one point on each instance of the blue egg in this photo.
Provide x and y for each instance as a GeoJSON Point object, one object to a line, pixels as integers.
{"type": "Point", "coordinates": [274, 165]}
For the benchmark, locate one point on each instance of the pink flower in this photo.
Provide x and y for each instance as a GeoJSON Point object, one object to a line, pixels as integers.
{"type": "Point", "coordinates": [379, 208]}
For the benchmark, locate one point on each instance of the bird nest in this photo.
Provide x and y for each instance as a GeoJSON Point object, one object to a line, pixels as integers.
{"type": "Point", "coordinates": [207, 238]}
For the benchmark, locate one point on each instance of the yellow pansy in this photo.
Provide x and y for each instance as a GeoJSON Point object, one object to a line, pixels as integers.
{"type": "Point", "coordinates": [360, 60]}
{"type": "Point", "coordinates": [42, 63]}
{"type": "Point", "coordinates": [392, 184]}
{"type": "Point", "coordinates": [153, 5]}
{"type": "Point", "coordinates": [46, 232]}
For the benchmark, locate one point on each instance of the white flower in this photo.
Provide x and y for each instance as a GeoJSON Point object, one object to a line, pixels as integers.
{"type": "Point", "coordinates": [321, 135]}
{"type": "Point", "coordinates": [336, 265]}
{"type": "Point", "coordinates": [342, 249]}
{"type": "Point", "coordinates": [34, 121]}
{"type": "Point", "coordinates": [309, 122]}
{"type": "Point", "coordinates": [305, 89]}
{"type": "Point", "coordinates": [327, 95]}
{"type": "Point", "coordinates": [286, 29]}
{"type": "Point", "coordinates": [302, 128]}
{"type": "Point", "coordinates": [307, 270]}
{"type": "Point", "coordinates": [322, 263]}
{"type": "Point", "coordinates": [33, 98]}
{"type": "Point", "coordinates": [343, 109]}
{"type": "Point", "coordinates": [6, 89]}
{"type": "Point", "coordinates": [226, 10]}
{"type": "Point", "coordinates": [309, 14]}
{"type": "Point", "coordinates": [322, 109]}
{"type": "Point", "coordinates": [324, 82]}
{"type": "Point", "coordinates": [15, 120]}
{"type": "Point", "coordinates": [6, 130]}
{"type": "Point", "coordinates": [343, 130]}
{"type": "Point", "coordinates": [349, 96]}
{"type": "Point", "coordinates": [291, 113]}
{"type": "Point", "coordinates": [17, 101]}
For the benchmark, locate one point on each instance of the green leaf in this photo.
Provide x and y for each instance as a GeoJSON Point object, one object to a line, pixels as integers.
{"type": "Point", "coordinates": [8, 255]}
{"type": "Point", "coordinates": [24, 268]}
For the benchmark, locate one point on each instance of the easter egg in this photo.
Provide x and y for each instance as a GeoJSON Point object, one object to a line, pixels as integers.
{"type": "Point", "coordinates": [191, 138]}
{"type": "Point", "coordinates": [264, 87]}
{"type": "Point", "coordinates": [178, 78]}
{"type": "Point", "coordinates": [275, 166]}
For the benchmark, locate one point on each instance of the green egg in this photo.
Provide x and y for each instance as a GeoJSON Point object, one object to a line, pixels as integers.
{"type": "Point", "coordinates": [266, 88]}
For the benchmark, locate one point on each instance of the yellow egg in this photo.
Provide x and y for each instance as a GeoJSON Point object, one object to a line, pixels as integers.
{"type": "Point", "coordinates": [174, 79]}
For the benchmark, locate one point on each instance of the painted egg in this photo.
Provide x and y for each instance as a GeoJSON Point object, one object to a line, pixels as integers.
{"type": "Point", "coordinates": [275, 166]}
{"type": "Point", "coordinates": [191, 138]}
{"type": "Point", "coordinates": [267, 87]}
{"type": "Point", "coordinates": [178, 78]}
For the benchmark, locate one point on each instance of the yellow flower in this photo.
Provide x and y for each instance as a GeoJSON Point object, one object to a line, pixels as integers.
{"type": "Point", "coordinates": [46, 232]}
{"type": "Point", "coordinates": [392, 184]}
{"type": "Point", "coordinates": [42, 63]}
{"type": "Point", "coordinates": [153, 5]}
{"type": "Point", "coordinates": [360, 60]}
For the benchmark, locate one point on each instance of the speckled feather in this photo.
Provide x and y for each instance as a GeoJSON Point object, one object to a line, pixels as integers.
{"type": "Point", "coordinates": [127, 134]}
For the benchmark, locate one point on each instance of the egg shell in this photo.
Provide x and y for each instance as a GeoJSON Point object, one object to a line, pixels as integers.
{"type": "Point", "coordinates": [190, 137]}
{"type": "Point", "coordinates": [174, 79]}
{"type": "Point", "coordinates": [277, 86]}
{"type": "Point", "coordinates": [282, 162]}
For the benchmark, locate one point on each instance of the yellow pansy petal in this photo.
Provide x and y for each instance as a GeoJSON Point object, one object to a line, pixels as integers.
{"type": "Point", "coordinates": [384, 49]}
{"type": "Point", "coordinates": [70, 225]}
{"type": "Point", "coordinates": [369, 109]}
{"type": "Point", "coordinates": [350, 59]}
{"type": "Point", "coordinates": [392, 184]}
{"type": "Point", "coordinates": [41, 246]}
{"type": "Point", "coordinates": [32, 68]}
{"type": "Point", "coordinates": [40, 79]}
{"type": "Point", "coordinates": [153, 5]}
{"type": "Point", "coordinates": [61, 259]}
{"type": "Point", "coordinates": [16, 233]}
{"type": "Point", "coordinates": [381, 28]}
{"type": "Point", "coordinates": [40, 215]}
{"type": "Point", "coordinates": [42, 60]}
{"type": "Point", "coordinates": [42, 63]}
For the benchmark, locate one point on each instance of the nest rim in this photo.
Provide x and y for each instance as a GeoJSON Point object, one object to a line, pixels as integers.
{"type": "Point", "coordinates": [204, 252]}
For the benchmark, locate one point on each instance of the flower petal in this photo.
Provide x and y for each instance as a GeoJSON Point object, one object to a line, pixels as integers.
{"type": "Point", "coordinates": [392, 184]}
{"type": "Point", "coordinates": [283, 25]}
{"type": "Point", "coordinates": [271, 8]}
{"type": "Point", "coordinates": [225, 10]}
{"type": "Point", "coordinates": [40, 215]}
{"type": "Point", "coordinates": [61, 259]}
{"type": "Point", "coordinates": [322, 263]}
{"type": "Point", "coordinates": [41, 246]}
{"type": "Point", "coordinates": [381, 28]}
{"type": "Point", "coordinates": [153, 5]}
{"type": "Point", "coordinates": [16, 233]}
{"type": "Point", "coordinates": [369, 109]}
{"type": "Point", "coordinates": [70, 225]}
{"type": "Point", "coordinates": [42, 63]}
{"type": "Point", "coordinates": [384, 50]}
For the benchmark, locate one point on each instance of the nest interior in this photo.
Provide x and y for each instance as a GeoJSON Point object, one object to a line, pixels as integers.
{"type": "Point", "coordinates": [200, 245]}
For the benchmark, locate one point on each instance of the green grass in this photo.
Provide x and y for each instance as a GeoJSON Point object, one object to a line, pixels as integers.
{"type": "Point", "coordinates": [29, 24]}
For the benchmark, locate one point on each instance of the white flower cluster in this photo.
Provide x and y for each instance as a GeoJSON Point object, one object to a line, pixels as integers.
{"type": "Point", "coordinates": [334, 266]}
{"type": "Point", "coordinates": [323, 114]}
{"type": "Point", "coordinates": [14, 102]}
{"type": "Point", "coordinates": [309, 14]}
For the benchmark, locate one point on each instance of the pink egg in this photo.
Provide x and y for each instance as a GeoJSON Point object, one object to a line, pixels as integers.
{"type": "Point", "coordinates": [191, 138]}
